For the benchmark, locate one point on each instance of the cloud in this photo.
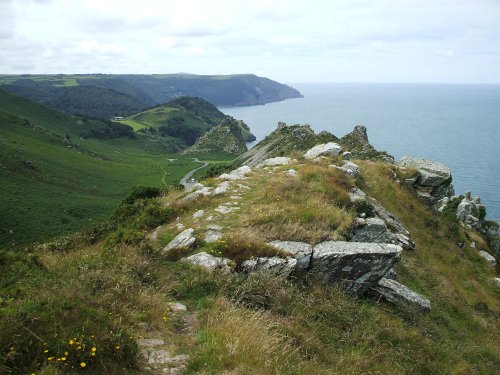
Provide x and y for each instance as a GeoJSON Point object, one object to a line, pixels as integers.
{"type": "Point", "coordinates": [289, 40]}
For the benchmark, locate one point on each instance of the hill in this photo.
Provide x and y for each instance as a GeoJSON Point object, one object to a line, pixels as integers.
{"type": "Point", "coordinates": [305, 263]}
{"type": "Point", "coordinates": [60, 173]}
{"type": "Point", "coordinates": [105, 96]}
{"type": "Point", "coordinates": [229, 138]}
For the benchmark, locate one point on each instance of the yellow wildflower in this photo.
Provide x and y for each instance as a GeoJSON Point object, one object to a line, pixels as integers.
{"type": "Point", "coordinates": [71, 342]}
{"type": "Point", "coordinates": [92, 354]}
{"type": "Point", "coordinates": [83, 364]}
{"type": "Point", "coordinates": [117, 347]}
{"type": "Point", "coordinates": [45, 351]}
{"type": "Point", "coordinates": [66, 354]}
{"type": "Point", "coordinates": [63, 358]}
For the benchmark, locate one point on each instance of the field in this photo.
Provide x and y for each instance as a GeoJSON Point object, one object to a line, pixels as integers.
{"type": "Point", "coordinates": [54, 182]}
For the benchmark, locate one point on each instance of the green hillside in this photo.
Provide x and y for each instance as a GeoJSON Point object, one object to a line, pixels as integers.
{"type": "Point", "coordinates": [103, 95]}
{"type": "Point", "coordinates": [60, 172]}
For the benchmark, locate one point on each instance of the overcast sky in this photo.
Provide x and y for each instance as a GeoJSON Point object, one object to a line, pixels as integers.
{"type": "Point", "coordinates": [286, 40]}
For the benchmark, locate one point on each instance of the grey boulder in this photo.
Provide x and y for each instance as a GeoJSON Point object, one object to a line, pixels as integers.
{"type": "Point", "coordinates": [209, 262]}
{"type": "Point", "coordinates": [398, 293]}
{"type": "Point", "coordinates": [301, 251]}
{"type": "Point", "coordinates": [370, 230]}
{"type": "Point", "coordinates": [184, 239]}
{"type": "Point", "coordinates": [357, 265]}
{"type": "Point", "coordinates": [330, 148]}
{"type": "Point", "coordinates": [276, 266]}
{"type": "Point", "coordinates": [488, 257]}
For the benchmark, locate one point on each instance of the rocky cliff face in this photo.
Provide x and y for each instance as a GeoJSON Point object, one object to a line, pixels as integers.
{"type": "Point", "coordinates": [229, 137]}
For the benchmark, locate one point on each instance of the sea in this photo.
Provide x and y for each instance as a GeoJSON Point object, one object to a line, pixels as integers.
{"type": "Point", "coordinates": [455, 124]}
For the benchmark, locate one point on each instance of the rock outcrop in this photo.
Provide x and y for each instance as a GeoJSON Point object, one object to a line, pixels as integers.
{"type": "Point", "coordinates": [357, 265]}
{"type": "Point", "coordinates": [237, 174]}
{"type": "Point", "coordinates": [398, 293]}
{"type": "Point", "coordinates": [488, 258]}
{"type": "Point", "coordinates": [360, 148]}
{"type": "Point", "coordinates": [184, 239]}
{"type": "Point", "coordinates": [330, 149]}
{"type": "Point", "coordinates": [301, 251]}
{"type": "Point", "coordinates": [275, 266]}
{"type": "Point", "coordinates": [209, 262]}
{"type": "Point", "coordinates": [433, 181]}
{"type": "Point", "coordinates": [279, 160]}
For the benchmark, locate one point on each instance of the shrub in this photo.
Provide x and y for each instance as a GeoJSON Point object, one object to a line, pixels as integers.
{"type": "Point", "coordinates": [142, 192]}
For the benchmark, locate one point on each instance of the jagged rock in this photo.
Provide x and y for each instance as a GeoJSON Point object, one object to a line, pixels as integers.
{"type": "Point", "coordinates": [357, 195]}
{"type": "Point", "coordinates": [276, 266]}
{"type": "Point", "coordinates": [177, 307]}
{"type": "Point", "coordinates": [203, 192]}
{"type": "Point", "coordinates": [360, 148]}
{"type": "Point", "coordinates": [209, 262]}
{"type": "Point", "coordinates": [496, 281]}
{"type": "Point", "coordinates": [399, 293]}
{"type": "Point", "coordinates": [279, 160]}
{"type": "Point", "coordinates": [194, 187]}
{"type": "Point", "coordinates": [212, 236]}
{"type": "Point", "coordinates": [346, 155]}
{"type": "Point", "coordinates": [370, 230]}
{"type": "Point", "coordinates": [221, 188]}
{"type": "Point", "coordinates": [182, 240]}
{"type": "Point", "coordinates": [237, 174]}
{"type": "Point", "coordinates": [471, 212]}
{"type": "Point", "coordinates": [330, 148]}
{"type": "Point", "coordinates": [488, 257]}
{"type": "Point", "coordinates": [357, 265]}
{"type": "Point", "coordinates": [301, 251]}
{"type": "Point", "coordinates": [434, 179]}
{"type": "Point", "coordinates": [348, 167]}
{"type": "Point", "coordinates": [198, 214]}
{"type": "Point", "coordinates": [391, 274]}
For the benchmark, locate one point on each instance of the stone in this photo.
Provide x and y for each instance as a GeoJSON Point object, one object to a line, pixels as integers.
{"type": "Point", "coordinates": [209, 262]}
{"type": "Point", "coordinates": [280, 160]}
{"type": "Point", "coordinates": [276, 266]}
{"type": "Point", "coordinates": [357, 195]}
{"type": "Point", "coordinates": [198, 214]}
{"type": "Point", "coordinates": [357, 265]}
{"type": "Point", "coordinates": [161, 356]}
{"type": "Point", "coordinates": [496, 281]}
{"type": "Point", "coordinates": [156, 232]}
{"type": "Point", "coordinates": [212, 236]}
{"type": "Point", "coordinates": [245, 187]}
{"type": "Point", "coordinates": [194, 187]}
{"type": "Point", "coordinates": [431, 173]}
{"type": "Point", "coordinates": [348, 167]}
{"type": "Point", "coordinates": [346, 155]}
{"type": "Point", "coordinates": [237, 174]}
{"type": "Point", "coordinates": [214, 227]}
{"type": "Point", "coordinates": [370, 230]}
{"type": "Point", "coordinates": [225, 210]}
{"type": "Point", "coordinates": [396, 292]}
{"type": "Point", "coordinates": [391, 274]}
{"type": "Point", "coordinates": [221, 188]}
{"type": "Point", "coordinates": [182, 240]}
{"type": "Point", "coordinates": [177, 307]}
{"type": "Point", "coordinates": [330, 148]}
{"type": "Point", "coordinates": [203, 192]}
{"type": "Point", "coordinates": [488, 257]}
{"type": "Point", "coordinates": [291, 172]}
{"type": "Point", "coordinates": [301, 251]}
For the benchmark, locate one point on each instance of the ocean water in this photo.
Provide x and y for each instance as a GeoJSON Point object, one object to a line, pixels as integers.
{"type": "Point", "coordinates": [458, 125]}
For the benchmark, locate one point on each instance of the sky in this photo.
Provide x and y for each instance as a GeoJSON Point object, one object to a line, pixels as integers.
{"type": "Point", "coordinates": [292, 41]}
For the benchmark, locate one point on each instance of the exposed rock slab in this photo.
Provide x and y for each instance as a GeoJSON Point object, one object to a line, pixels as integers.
{"type": "Point", "coordinates": [348, 167]}
{"type": "Point", "coordinates": [496, 281]}
{"type": "Point", "coordinates": [370, 230]}
{"type": "Point", "coordinates": [203, 192]}
{"type": "Point", "coordinates": [330, 148]}
{"type": "Point", "coordinates": [209, 262]}
{"type": "Point", "coordinates": [177, 307]}
{"type": "Point", "coordinates": [488, 257]}
{"type": "Point", "coordinates": [198, 214]}
{"type": "Point", "coordinates": [182, 240]}
{"type": "Point", "coordinates": [357, 265]}
{"type": "Point", "coordinates": [301, 251]}
{"type": "Point", "coordinates": [237, 174]}
{"type": "Point", "coordinates": [221, 188]}
{"type": "Point", "coordinates": [279, 160]}
{"type": "Point", "coordinates": [398, 293]}
{"type": "Point", "coordinates": [276, 266]}
{"type": "Point", "coordinates": [212, 236]}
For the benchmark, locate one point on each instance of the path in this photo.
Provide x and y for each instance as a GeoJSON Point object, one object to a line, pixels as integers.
{"type": "Point", "coordinates": [184, 180]}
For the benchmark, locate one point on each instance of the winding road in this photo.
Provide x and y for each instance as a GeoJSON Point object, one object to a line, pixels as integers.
{"type": "Point", "coordinates": [184, 180]}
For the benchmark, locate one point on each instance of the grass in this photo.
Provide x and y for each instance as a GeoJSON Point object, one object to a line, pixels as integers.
{"type": "Point", "coordinates": [105, 285]}
{"type": "Point", "coordinates": [134, 124]}
{"type": "Point", "coordinates": [53, 182]}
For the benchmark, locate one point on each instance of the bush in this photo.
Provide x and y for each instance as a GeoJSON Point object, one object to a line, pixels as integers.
{"type": "Point", "coordinates": [142, 192]}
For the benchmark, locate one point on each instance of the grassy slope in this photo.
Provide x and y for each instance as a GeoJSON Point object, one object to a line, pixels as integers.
{"type": "Point", "coordinates": [68, 187]}
{"type": "Point", "coordinates": [258, 325]}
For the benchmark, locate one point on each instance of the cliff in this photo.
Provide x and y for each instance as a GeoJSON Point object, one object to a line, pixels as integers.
{"type": "Point", "coordinates": [301, 259]}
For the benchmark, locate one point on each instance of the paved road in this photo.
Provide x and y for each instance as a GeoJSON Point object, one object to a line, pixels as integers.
{"type": "Point", "coordinates": [184, 180]}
